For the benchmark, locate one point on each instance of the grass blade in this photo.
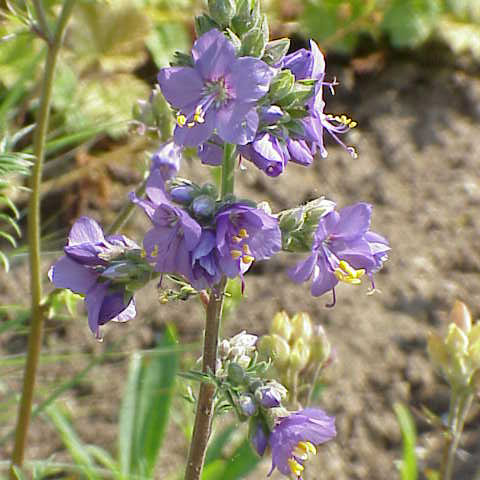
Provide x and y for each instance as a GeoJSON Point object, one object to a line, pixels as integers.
{"type": "Point", "coordinates": [408, 467]}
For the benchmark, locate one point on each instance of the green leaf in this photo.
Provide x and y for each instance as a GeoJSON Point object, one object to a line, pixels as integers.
{"type": "Point", "coordinates": [461, 37]}
{"type": "Point", "coordinates": [407, 426]}
{"type": "Point", "coordinates": [145, 409]}
{"type": "Point", "coordinates": [75, 446]}
{"type": "Point", "coordinates": [9, 238]}
{"type": "Point", "coordinates": [410, 22]}
{"type": "Point", "coordinates": [165, 39]}
{"type": "Point", "coordinates": [4, 261]}
{"type": "Point", "coordinates": [218, 443]}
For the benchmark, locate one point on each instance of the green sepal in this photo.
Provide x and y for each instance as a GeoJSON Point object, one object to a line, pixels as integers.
{"type": "Point", "coordinates": [222, 11]}
{"type": "Point", "coordinates": [204, 23]}
{"type": "Point", "coordinates": [276, 50]}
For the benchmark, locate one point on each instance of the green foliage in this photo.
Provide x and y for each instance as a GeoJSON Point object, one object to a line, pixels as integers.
{"type": "Point", "coordinates": [408, 466]}
{"type": "Point", "coordinates": [12, 166]}
{"type": "Point", "coordinates": [338, 25]}
{"type": "Point", "coordinates": [145, 408]}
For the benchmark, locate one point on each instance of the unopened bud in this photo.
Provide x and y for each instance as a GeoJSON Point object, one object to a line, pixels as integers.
{"type": "Point", "coordinates": [300, 355]}
{"type": "Point", "coordinates": [282, 85]}
{"type": "Point", "coordinates": [276, 50]}
{"type": "Point", "coordinates": [253, 43]}
{"type": "Point", "coordinates": [257, 433]}
{"type": "Point", "coordinates": [222, 11]}
{"type": "Point", "coordinates": [456, 341]}
{"type": "Point", "coordinates": [182, 194]}
{"type": "Point", "coordinates": [224, 349]}
{"type": "Point", "coordinates": [291, 220]}
{"type": "Point", "coordinates": [437, 351]}
{"type": "Point", "coordinates": [236, 374]}
{"type": "Point", "coordinates": [276, 348]}
{"type": "Point", "coordinates": [203, 24]}
{"type": "Point", "coordinates": [247, 405]}
{"type": "Point", "coordinates": [320, 345]}
{"type": "Point", "coordinates": [302, 326]}
{"type": "Point", "coordinates": [203, 206]}
{"type": "Point", "coordinates": [247, 17]}
{"type": "Point", "coordinates": [460, 315]}
{"type": "Point", "coordinates": [281, 325]}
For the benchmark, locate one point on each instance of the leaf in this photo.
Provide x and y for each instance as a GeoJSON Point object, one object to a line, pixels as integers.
{"type": "Point", "coordinates": [165, 39]}
{"type": "Point", "coordinates": [407, 426]}
{"type": "Point", "coordinates": [145, 409]}
{"type": "Point", "coordinates": [218, 443]}
{"type": "Point", "coordinates": [75, 446]}
{"type": "Point", "coordinates": [460, 36]}
{"type": "Point", "coordinates": [410, 22]}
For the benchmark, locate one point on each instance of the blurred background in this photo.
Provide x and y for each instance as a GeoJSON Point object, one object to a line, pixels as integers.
{"type": "Point", "coordinates": [409, 75]}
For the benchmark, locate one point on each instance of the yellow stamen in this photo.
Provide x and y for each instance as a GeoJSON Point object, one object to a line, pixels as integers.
{"type": "Point", "coordinates": [154, 252]}
{"type": "Point", "coordinates": [247, 259]}
{"type": "Point", "coordinates": [143, 253]}
{"type": "Point", "coordinates": [308, 447]}
{"type": "Point", "coordinates": [343, 119]}
{"type": "Point", "coordinates": [295, 467]}
{"type": "Point", "coordinates": [246, 249]}
{"type": "Point", "coordinates": [181, 120]}
{"type": "Point", "coordinates": [242, 233]}
{"type": "Point", "coordinates": [346, 273]}
{"type": "Point", "coordinates": [235, 254]}
{"type": "Point", "coordinates": [236, 239]}
{"type": "Point", "coordinates": [198, 117]}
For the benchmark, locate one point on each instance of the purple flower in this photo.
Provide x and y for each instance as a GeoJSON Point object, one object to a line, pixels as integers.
{"type": "Point", "coordinates": [244, 234]}
{"type": "Point", "coordinates": [267, 153]}
{"type": "Point", "coordinates": [343, 250]}
{"type": "Point", "coordinates": [269, 397]}
{"type": "Point", "coordinates": [167, 160]}
{"type": "Point", "coordinates": [306, 64]}
{"type": "Point", "coordinates": [211, 152]}
{"type": "Point", "coordinates": [219, 92]}
{"type": "Point", "coordinates": [87, 256]}
{"type": "Point", "coordinates": [294, 438]}
{"type": "Point", "coordinates": [205, 268]}
{"type": "Point", "coordinates": [259, 438]}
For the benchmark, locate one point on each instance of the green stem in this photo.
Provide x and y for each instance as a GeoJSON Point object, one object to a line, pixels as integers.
{"type": "Point", "coordinates": [206, 397]}
{"type": "Point", "coordinates": [43, 29]}
{"type": "Point", "coordinates": [459, 407]}
{"type": "Point", "coordinates": [34, 232]}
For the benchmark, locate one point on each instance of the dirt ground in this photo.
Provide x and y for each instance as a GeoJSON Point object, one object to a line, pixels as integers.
{"type": "Point", "coordinates": [419, 165]}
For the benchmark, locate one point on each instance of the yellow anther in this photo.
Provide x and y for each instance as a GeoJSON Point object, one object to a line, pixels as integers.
{"type": "Point", "coordinates": [181, 120]}
{"type": "Point", "coordinates": [346, 273]}
{"type": "Point", "coordinates": [353, 124]}
{"type": "Point", "coordinates": [235, 254]}
{"type": "Point", "coordinates": [163, 299]}
{"type": "Point", "coordinates": [295, 467]}
{"type": "Point", "coordinates": [198, 117]}
{"type": "Point", "coordinates": [246, 249]}
{"type": "Point", "coordinates": [154, 252]}
{"type": "Point", "coordinates": [236, 239]}
{"type": "Point", "coordinates": [242, 233]}
{"type": "Point", "coordinates": [143, 253]}
{"type": "Point", "coordinates": [308, 447]}
{"type": "Point", "coordinates": [190, 124]}
{"type": "Point", "coordinates": [247, 259]}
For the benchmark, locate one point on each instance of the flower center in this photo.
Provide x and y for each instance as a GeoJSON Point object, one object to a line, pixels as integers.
{"type": "Point", "coordinates": [300, 454]}
{"type": "Point", "coordinates": [240, 249]}
{"type": "Point", "coordinates": [215, 94]}
{"type": "Point", "coordinates": [346, 273]}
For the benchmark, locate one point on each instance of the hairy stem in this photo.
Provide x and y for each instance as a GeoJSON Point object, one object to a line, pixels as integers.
{"type": "Point", "coordinates": [42, 21]}
{"type": "Point", "coordinates": [459, 407]}
{"type": "Point", "coordinates": [206, 396]}
{"type": "Point", "coordinates": [34, 232]}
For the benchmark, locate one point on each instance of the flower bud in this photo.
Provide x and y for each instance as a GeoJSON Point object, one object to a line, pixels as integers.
{"type": "Point", "coordinates": [182, 194]}
{"type": "Point", "coordinates": [437, 351]}
{"type": "Point", "coordinates": [203, 206]}
{"type": "Point", "coordinates": [247, 17]}
{"type": "Point", "coordinates": [203, 24]}
{"type": "Point", "coordinates": [300, 355]}
{"type": "Point", "coordinates": [276, 348]}
{"type": "Point", "coordinates": [276, 50]}
{"type": "Point", "coordinates": [247, 405]}
{"type": "Point", "coordinates": [281, 325]}
{"type": "Point", "coordinates": [320, 345]}
{"type": "Point", "coordinates": [224, 349]}
{"type": "Point", "coordinates": [456, 341]}
{"type": "Point", "coordinates": [257, 433]}
{"type": "Point", "coordinates": [460, 315]}
{"type": "Point", "coordinates": [162, 113]}
{"type": "Point", "coordinates": [236, 374]}
{"type": "Point", "coordinates": [271, 394]}
{"type": "Point", "coordinates": [253, 43]}
{"type": "Point", "coordinates": [302, 326]}
{"type": "Point", "coordinates": [222, 11]}
{"type": "Point", "coordinates": [281, 85]}
{"type": "Point", "coordinates": [302, 91]}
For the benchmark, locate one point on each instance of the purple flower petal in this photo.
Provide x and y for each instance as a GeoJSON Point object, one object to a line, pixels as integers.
{"type": "Point", "coordinates": [354, 221]}
{"type": "Point", "coordinates": [199, 133]}
{"type": "Point", "coordinates": [181, 86]}
{"type": "Point", "coordinates": [250, 78]}
{"type": "Point", "coordinates": [213, 55]}
{"type": "Point", "coordinates": [66, 273]}
{"type": "Point", "coordinates": [237, 123]}
{"type": "Point", "coordinates": [303, 270]}
{"type": "Point", "coordinates": [85, 230]}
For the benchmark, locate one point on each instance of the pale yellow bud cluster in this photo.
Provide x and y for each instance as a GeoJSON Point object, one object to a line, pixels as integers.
{"type": "Point", "coordinates": [296, 348]}
{"type": "Point", "coordinates": [457, 354]}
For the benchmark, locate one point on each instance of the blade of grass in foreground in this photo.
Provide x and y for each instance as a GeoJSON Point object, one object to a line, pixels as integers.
{"type": "Point", "coordinates": [408, 467]}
